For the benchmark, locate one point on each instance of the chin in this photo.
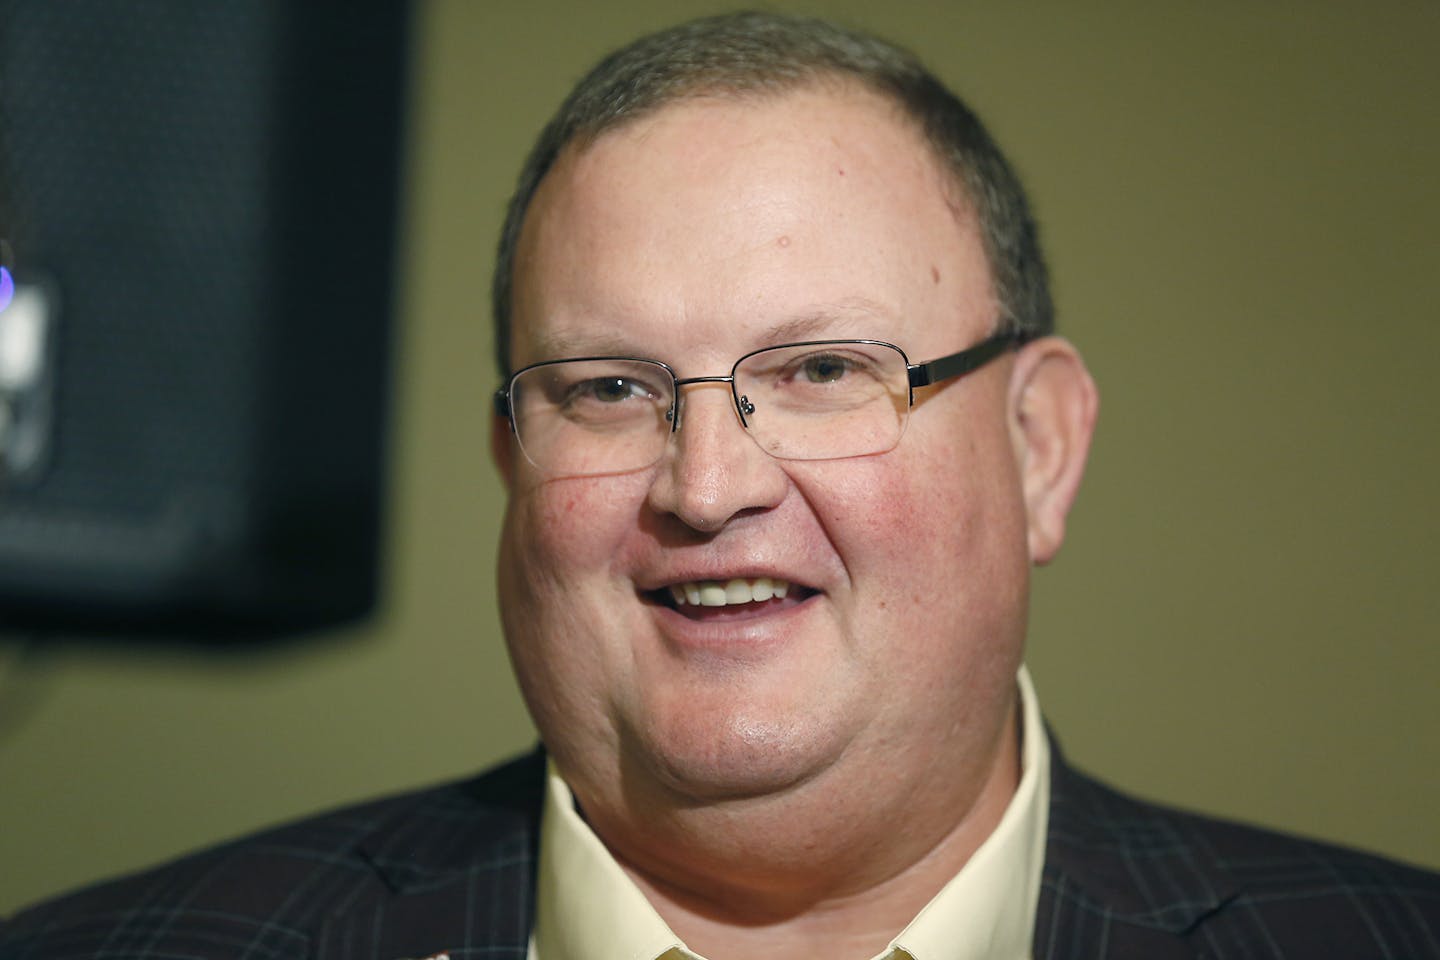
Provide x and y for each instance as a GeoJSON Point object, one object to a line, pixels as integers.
{"type": "Point", "coordinates": [706, 759]}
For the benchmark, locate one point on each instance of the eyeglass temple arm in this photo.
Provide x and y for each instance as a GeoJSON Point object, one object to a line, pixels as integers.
{"type": "Point", "coordinates": [944, 368]}
{"type": "Point", "coordinates": [502, 405]}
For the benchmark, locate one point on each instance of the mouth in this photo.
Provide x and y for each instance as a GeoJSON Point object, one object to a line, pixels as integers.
{"type": "Point", "coordinates": [734, 599]}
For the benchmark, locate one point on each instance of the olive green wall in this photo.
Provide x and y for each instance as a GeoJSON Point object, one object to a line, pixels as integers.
{"type": "Point", "coordinates": [1242, 211]}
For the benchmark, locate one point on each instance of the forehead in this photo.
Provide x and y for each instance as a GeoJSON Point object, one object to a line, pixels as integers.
{"type": "Point", "coordinates": [726, 223]}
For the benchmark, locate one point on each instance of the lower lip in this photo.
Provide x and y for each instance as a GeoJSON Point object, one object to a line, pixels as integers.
{"type": "Point", "coordinates": [745, 626]}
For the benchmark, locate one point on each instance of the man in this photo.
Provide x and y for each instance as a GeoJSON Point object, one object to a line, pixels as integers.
{"type": "Point", "coordinates": [784, 427]}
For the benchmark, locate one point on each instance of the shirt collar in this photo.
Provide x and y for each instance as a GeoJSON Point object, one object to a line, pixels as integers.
{"type": "Point", "coordinates": [589, 909]}
{"type": "Point", "coordinates": [987, 910]}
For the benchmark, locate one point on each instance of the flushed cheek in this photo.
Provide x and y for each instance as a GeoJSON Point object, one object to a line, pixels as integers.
{"type": "Point", "coordinates": [568, 526]}
{"type": "Point", "coordinates": [567, 612]}
{"type": "Point", "coordinates": [557, 583]}
{"type": "Point", "coordinates": [939, 590]}
{"type": "Point", "coordinates": [889, 521]}
{"type": "Point", "coordinates": [923, 541]}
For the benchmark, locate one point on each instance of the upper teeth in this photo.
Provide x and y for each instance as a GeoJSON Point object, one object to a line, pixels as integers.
{"type": "Point", "coordinates": [718, 593]}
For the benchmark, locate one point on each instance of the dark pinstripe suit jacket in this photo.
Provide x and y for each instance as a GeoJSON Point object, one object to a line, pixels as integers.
{"type": "Point", "coordinates": [453, 869]}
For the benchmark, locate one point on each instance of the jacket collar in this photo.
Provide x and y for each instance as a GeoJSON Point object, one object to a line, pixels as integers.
{"type": "Point", "coordinates": [489, 822]}
{"type": "Point", "coordinates": [454, 870]}
{"type": "Point", "coordinates": [1122, 873]}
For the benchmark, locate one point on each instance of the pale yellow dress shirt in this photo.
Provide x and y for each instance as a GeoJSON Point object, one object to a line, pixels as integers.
{"type": "Point", "coordinates": [588, 909]}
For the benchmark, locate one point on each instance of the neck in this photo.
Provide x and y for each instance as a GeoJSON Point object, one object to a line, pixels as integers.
{"type": "Point", "coordinates": [818, 876]}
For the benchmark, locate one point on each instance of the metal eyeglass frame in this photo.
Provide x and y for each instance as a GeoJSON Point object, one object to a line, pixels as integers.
{"type": "Point", "coordinates": [934, 371]}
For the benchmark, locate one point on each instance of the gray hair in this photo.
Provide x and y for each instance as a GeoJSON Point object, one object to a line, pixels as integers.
{"type": "Point", "coordinates": [756, 54]}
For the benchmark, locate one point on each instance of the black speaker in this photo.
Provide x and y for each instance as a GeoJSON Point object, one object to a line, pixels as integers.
{"type": "Point", "coordinates": [200, 200]}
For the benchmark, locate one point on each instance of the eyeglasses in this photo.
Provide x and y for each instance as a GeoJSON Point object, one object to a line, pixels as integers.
{"type": "Point", "coordinates": [820, 400]}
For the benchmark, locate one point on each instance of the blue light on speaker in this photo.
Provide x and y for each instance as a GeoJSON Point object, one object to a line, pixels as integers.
{"type": "Point", "coordinates": [7, 288]}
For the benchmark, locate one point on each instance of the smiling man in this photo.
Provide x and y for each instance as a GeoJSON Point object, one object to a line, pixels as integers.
{"type": "Point", "coordinates": [748, 761]}
{"type": "Point", "coordinates": [784, 427]}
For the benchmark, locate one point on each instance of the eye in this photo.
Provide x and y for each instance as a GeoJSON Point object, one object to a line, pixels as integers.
{"type": "Point", "coordinates": [611, 389]}
{"type": "Point", "coordinates": [824, 367]}
{"type": "Point", "coordinates": [816, 368]}
{"type": "Point", "coordinates": [609, 399]}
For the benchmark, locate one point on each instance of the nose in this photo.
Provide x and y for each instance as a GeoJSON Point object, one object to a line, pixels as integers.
{"type": "Point", "coordinates": [712, 470]}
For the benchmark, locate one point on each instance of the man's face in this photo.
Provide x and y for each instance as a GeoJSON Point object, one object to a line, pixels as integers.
{"type": "Point", "coordinates": [706, 230]}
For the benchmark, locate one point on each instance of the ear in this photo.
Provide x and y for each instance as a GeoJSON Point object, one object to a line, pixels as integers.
{"type": "Point", "coordinates": [1053, 404]}
{"type": "Point", "coordinates": [502, 449]}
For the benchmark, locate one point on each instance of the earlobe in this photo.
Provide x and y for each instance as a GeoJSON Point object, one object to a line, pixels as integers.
{"type": "Point", "coordinates": [1053, 403]}
{"type": "Point", "coordinates": [502, 449]}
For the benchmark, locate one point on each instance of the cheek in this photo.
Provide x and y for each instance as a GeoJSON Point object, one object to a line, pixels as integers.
{"type": "Point", "coordinates": [558, 532]}
{"type": "Point", "coordinates": [908, 507]}
{"type": "Point", "coordinates": [933, 532]}
{"type": "Point", "coordinates": [556, 580]}
{"type": "Point", "coordinates": [557, 602]}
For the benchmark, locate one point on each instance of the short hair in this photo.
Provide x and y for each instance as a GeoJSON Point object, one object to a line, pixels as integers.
{"type": "Point", "coordinates": [760, 53]}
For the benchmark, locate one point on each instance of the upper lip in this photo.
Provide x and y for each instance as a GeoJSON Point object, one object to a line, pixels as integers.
{"type": "Point", "coordinates": [719, 575]}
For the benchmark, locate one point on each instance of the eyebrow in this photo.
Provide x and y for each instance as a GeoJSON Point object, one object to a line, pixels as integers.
{"type": "Point", "coordinates": [843, 319]}
{"type": "Point", "coordinates": [551, 346]}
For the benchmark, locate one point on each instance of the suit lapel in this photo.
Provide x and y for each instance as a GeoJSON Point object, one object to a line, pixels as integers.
{"type": "Point", "coordinates": [457, 876]}
{"type": "Point", "coordinates": [1122, 879]}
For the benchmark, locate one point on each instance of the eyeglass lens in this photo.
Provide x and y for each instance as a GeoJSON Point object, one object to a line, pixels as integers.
{"type": "Point", "coordinates": [801, 402]}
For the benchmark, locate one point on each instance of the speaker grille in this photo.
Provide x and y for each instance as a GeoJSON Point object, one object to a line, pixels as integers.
{"type": "Point", "coordinates": [208, 191]}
